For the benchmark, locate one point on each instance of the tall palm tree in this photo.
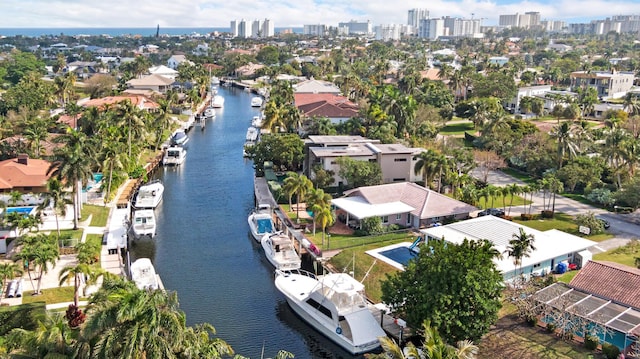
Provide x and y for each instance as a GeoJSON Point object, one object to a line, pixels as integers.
{"type": "Point", "coordinates": [8, 271]}
{"type": "Point", "coordinates": [563, 133]}
{"type": "Point", "coordinates": [52, 338]}
{"type": "Point", "coordinates": [429, 163]}
{"type": "Point", "coordinates": [318, 201]}
{"type": "Point", "coordinates": [79, 272]}
{"type": "Point", "coordinates": [300, 185]}
{"type": "Point", "coordinates": [325, 218]}
{"type": "Point", "coordinates": [514, 190]}
{"type": "Point", "coordinates": [520, 246]}
{"type": "Point", "coordinates": [57, 198]}
{"type": "Point", "coordinates": [74, 164]}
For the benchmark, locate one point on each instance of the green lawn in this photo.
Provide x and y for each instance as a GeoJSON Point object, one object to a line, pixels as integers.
{"type": "Point", "coordinates": [457, 129]}
{"type": "Point", "coordinates": [100, 214]}
{"type": "Point", "coordinates": [563, 222]}
{"type": "Point", "coordinates": [624, 255]}
{"type": "Point", "coordinates": [567, 276]}
{"type": "Point", "coordinates": [49, 295]}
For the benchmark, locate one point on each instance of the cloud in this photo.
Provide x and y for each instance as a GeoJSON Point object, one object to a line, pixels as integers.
{"type": "Point", "coordinates": [218, 13]}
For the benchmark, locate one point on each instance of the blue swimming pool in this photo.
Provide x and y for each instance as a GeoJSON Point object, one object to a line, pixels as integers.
{"type": "Point", "coordinates": [400, 255]}
{"type": "Point", "coordinates": [97, 177]}
{"type": "Point", "coordinates": [22, 210]}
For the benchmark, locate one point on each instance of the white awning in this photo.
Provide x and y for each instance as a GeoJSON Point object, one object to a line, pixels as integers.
{"type": "Point", "coordinates": [358, 207]}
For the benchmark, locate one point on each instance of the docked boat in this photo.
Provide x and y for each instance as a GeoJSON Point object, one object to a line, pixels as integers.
{"type": "Point", "coordinates": [334, 305]}
{"type": "Point", "coordinates": [215, 81]}
{"type": "Point", "coordinates": [217, 101]}
{"type": "Point", "coordinates": [279, 250]}
{"type": "Point", "coordinates": [252, 134]}
{"type": "Point", "coordinates": [143, 223]}
{"type": "Point", "coordinates": [174, 155]}
{"type": "Point", "coordinates": [179, 138]}
{"type": "Point", "coordinates": [149, 195]}
{"type": "Point", "coordinates": [256, 122]}
{"type": "Point", "coordinates": [256, 101]}
{"type": "Point", "coordinates": [209, 113]}
{"type": "Point", "coordinates": [143, 274]}
{"type": "Point", "coordinates": [261, 222]}
{"type": "Point", "coordinates": [246, 147]}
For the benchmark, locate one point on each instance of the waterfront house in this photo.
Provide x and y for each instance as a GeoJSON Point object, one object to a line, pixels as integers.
{"type": "Point", "coordinates": [552, 246]}
{"type": "Point", "coordinates": [608, 84]}
{"type": "Point", "coordinates": [157, 83]}
{"type": "Point", "coordinates": [405, 204]}
{"type": "Point", "coordinates": [142, 102]}
{"type": "Point", "coordinates": [24, 174]}
{"type": "Point", "coordinates": [317, 87]}
{"type": "Point", "coordinates": [603, 295]}
{"type": "Point", "coordinates": [336, 108]}
{"type": "Point", "coordinates": [175, 61]}
{"type": "Point", "coordinates": [396, 161]}
{"type": "Point", "coordinates": [163, 71]}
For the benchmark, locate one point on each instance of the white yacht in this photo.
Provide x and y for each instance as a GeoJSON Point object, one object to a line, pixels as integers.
{"type": "Point", "coordinates": [256, 121]}
{"type": "Point", "coordinates": [209, 113]}
{"type": "Point", "coordinates": [179, 138]}
{"type": "Point", "coordinates": [217, 101]}
{"type": "Point", "coordinates": [143, 223]}
{"type": "Point", "coordinates": [256, 101]}
{"type": "Point", "coordinates": [261, 222]}
{"type": "Point", "coordinates": [174, 155]}
{"type": "Point", "coordinates": [143, 274]}
{"type": "Point", "coordinates": [149, 195]}
{"type": "Point", "coordinates": [334, 305]}
{"type": "Point", "coordinates": [252, 134]}
{"type": "Point", "coordinates": [280, 252]}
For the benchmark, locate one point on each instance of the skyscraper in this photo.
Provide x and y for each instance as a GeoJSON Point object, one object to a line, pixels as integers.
{"type": "Point", "coordinates": [415, 15]}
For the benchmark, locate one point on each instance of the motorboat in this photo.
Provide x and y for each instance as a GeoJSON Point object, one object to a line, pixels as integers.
{"type": "Point", "coordinates": [279, 250]}
{"type": "Point", "coordinates": [252, 134]}
{"type": "Point", "coordinates": [149, 195]}
{"type": "Point", "coordinates": [261, 222]}
{"type": "Point", "coordinates": [143, 274]}
{"type": "Point", "coordinates": [174, 155]}
{"type": "Point", "coordinates": [217, 101]}
{"type": "Point", "coordinates": [209, 113]}
{"type": "Point", "coordinates": [246, 147]}
{"type": "Point", "coordinates": [334, 304]}
{"type": "Point", "coordinates": [256, 101]}
{"type": "Point", "coordinates": [179, 138]}
{"type": "Point", "coordinates": [143, 223]}
{"type": "Point", "coordinates": [256, 122]}
{"type": "Point", "coordinates": [215, 81]}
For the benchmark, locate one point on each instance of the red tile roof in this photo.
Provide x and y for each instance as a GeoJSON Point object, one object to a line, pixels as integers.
{"type": "Point", "coordinates": [136, 100]}
{"type": "Point", "coordinates": [613, 281]}
{"type": "Point", "coordinates": [15, 175]}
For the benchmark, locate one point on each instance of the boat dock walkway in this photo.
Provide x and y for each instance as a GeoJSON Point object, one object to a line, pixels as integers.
{"type": "Point", "coordinates": [390, 325]}
{"type": "Point", "coordinates": [262, 193]}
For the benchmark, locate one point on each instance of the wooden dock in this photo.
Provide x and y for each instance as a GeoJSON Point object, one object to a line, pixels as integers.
{"type": "Point", "coordinates": [390, 325]}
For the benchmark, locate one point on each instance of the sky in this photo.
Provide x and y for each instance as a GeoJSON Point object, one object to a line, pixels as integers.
{"type": "Point", "coordinates": [286, 13]}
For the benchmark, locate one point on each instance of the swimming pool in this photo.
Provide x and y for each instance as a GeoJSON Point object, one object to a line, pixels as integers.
{"type": "Point", "coordinates": [22, 210]}
{"type": "Point", "coordinates": [397, 255]}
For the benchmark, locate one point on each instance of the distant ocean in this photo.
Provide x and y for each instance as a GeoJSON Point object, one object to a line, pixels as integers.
{"type": "Point", "coordinates": [120, 31]}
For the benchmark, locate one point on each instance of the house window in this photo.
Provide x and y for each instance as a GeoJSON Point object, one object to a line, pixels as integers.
{"type": "Point", "coordinates": [409, 217]}
{"type": "Point", "coordinates": [385, 219]}
{"type": "Point", "coordinates": [399, 160]}
{"type": "Point", "coordinates": [398, 217]}
{"type": "Point", "coordinates": [399, 179]}
{"type": "Point", "coordinates": [333, 162]}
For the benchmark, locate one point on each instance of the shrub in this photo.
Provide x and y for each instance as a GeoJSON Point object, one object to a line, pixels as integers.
{"type": "Point", "coordinates": [589, 220]}
{"type": "Point", "coordinates": [138, 172]}
{"type": "Point", "coordinates": [532, 321]}
{"type": "Point", "coordinates": [610, 351]}
{"type": "Point", "coordinates": [551, 327]}
{"type": "Point", "coordinates": [547, 214]}
{"type": "Point", "coordinates": [372, 226]}
{"type": "Point", "coordinates": [591, 342]}
{"type": "Point", "coordinates": [526, 216]}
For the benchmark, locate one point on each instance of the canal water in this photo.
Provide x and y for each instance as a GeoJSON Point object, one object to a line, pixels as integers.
{"type": "Point", "coordinates": [204, 251]}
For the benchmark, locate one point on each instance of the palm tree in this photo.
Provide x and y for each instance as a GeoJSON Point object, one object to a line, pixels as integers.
{"type": "Point", "coordinates": [514, 190]}
{"type": "Point", "coordinates": [74, 164]}
{"type": "Point", "coordinates": [79, 272]}
{"type": "Point", "coordinates": [52, 338]}
{"type": "Point", "coordinates": [318, 201]}
{"type": "Point", "coordinates": [520, 246]}
{"type": "Point", "coordinates": [298, 184]}
{"type": "Point", "coordinates": [57, 198]}
{"type": "Point", "coordinates": [429, 163]}
{"type": "Point", "coordinates": [8, 271]}
{"type": "Point", "coordinates": [45, 254]}
{"type": "Point", "coordinates": [563, 133]}
{"type": "Point", "coordinates": [325, 218]}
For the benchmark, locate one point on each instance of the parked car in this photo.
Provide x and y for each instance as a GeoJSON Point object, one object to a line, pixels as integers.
{"type": "Point", "coordinates": [605, 223]}
{"type": "Point", "coordinates": [491, 212]}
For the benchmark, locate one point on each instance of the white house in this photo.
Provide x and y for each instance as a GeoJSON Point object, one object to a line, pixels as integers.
{"type": "Point", "coordinates": [528, 91]}
{"type": "Point", "coordinates": [552, 246]}
{"type": "Point", "coordinates": [175, 61]}
{"type": "Point", "coordinates": [163, 71]}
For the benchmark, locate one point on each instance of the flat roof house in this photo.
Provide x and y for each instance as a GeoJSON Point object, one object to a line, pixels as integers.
{"type": "Point", "coordinates": [608, 84]}
{"type": "Point", "coordinates": [406, 204]}
{"type": "Point", "coordinates": [552, 246]}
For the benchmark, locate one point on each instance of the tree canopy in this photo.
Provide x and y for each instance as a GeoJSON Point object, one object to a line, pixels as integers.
{"type": "Point", "coordinates": [456, 287]}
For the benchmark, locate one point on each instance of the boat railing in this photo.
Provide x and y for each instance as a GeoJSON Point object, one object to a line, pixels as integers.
{"type": "Point", "coordinates": [289, 272]}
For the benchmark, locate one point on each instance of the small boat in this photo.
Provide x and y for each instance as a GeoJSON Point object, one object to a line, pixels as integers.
{"type": "Point", "coordinates": [279, 250]}
{"type": "Point", "coordinates": [334, 305]}
{"type": "Point", "coordinates": [256, 122]}
{"type": "Point", "coordinates": [143, 274]}
{"type": "Point", "coordinates": [209, 113]}
{"type": "Point", "coordinates": [143, 223]}
{"type": "Point", "coordinates": [215, 81]}
{"type": "Point", "coordinates": [174, 155]}
{"type": "Point", "coordinates": [179, 138]}
{"type": "Point", "coordinates": [149, 195]}
{"type": "Point", "coordinates": [261, 222]}
{"type": "Point", "coordinates": [252, 134]}
{"type": "Point", "coordinates": [217, 101]}
{"type": "Point", "coordinates": [246, 147]}
{"type": "Point", "coordinates": [256, 101]}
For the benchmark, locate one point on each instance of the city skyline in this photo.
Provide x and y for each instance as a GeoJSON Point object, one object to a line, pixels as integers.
{"type": "Point", "coordinates": [206, 13]}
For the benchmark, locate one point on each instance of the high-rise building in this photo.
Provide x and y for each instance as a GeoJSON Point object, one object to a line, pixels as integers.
{"type": "Point", "coordinates": [415, 15]}
{"type": "Point", "coordinates": [315, 30]}
{"type": "Point", "coordinates": [431, 29]}
{"type": "Point", "coordinates": [243, 30]}
{"type": "Point", "coordinates": [256, 28]}
{"type": "Point", "coordinates": [527, 20]}
{"type": "Point", "coordinates": [268, 29]}
{"type": "Point", "coordinates": [388, 32]}
{"type": "Point", "coordinates": [455, 26]}
{"type": "Point", "coordinates": [508, 20]}
{"type": "Point", "coordinates": [354, 27]}
{"type": "Point", "coordinates": [234, 28]}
